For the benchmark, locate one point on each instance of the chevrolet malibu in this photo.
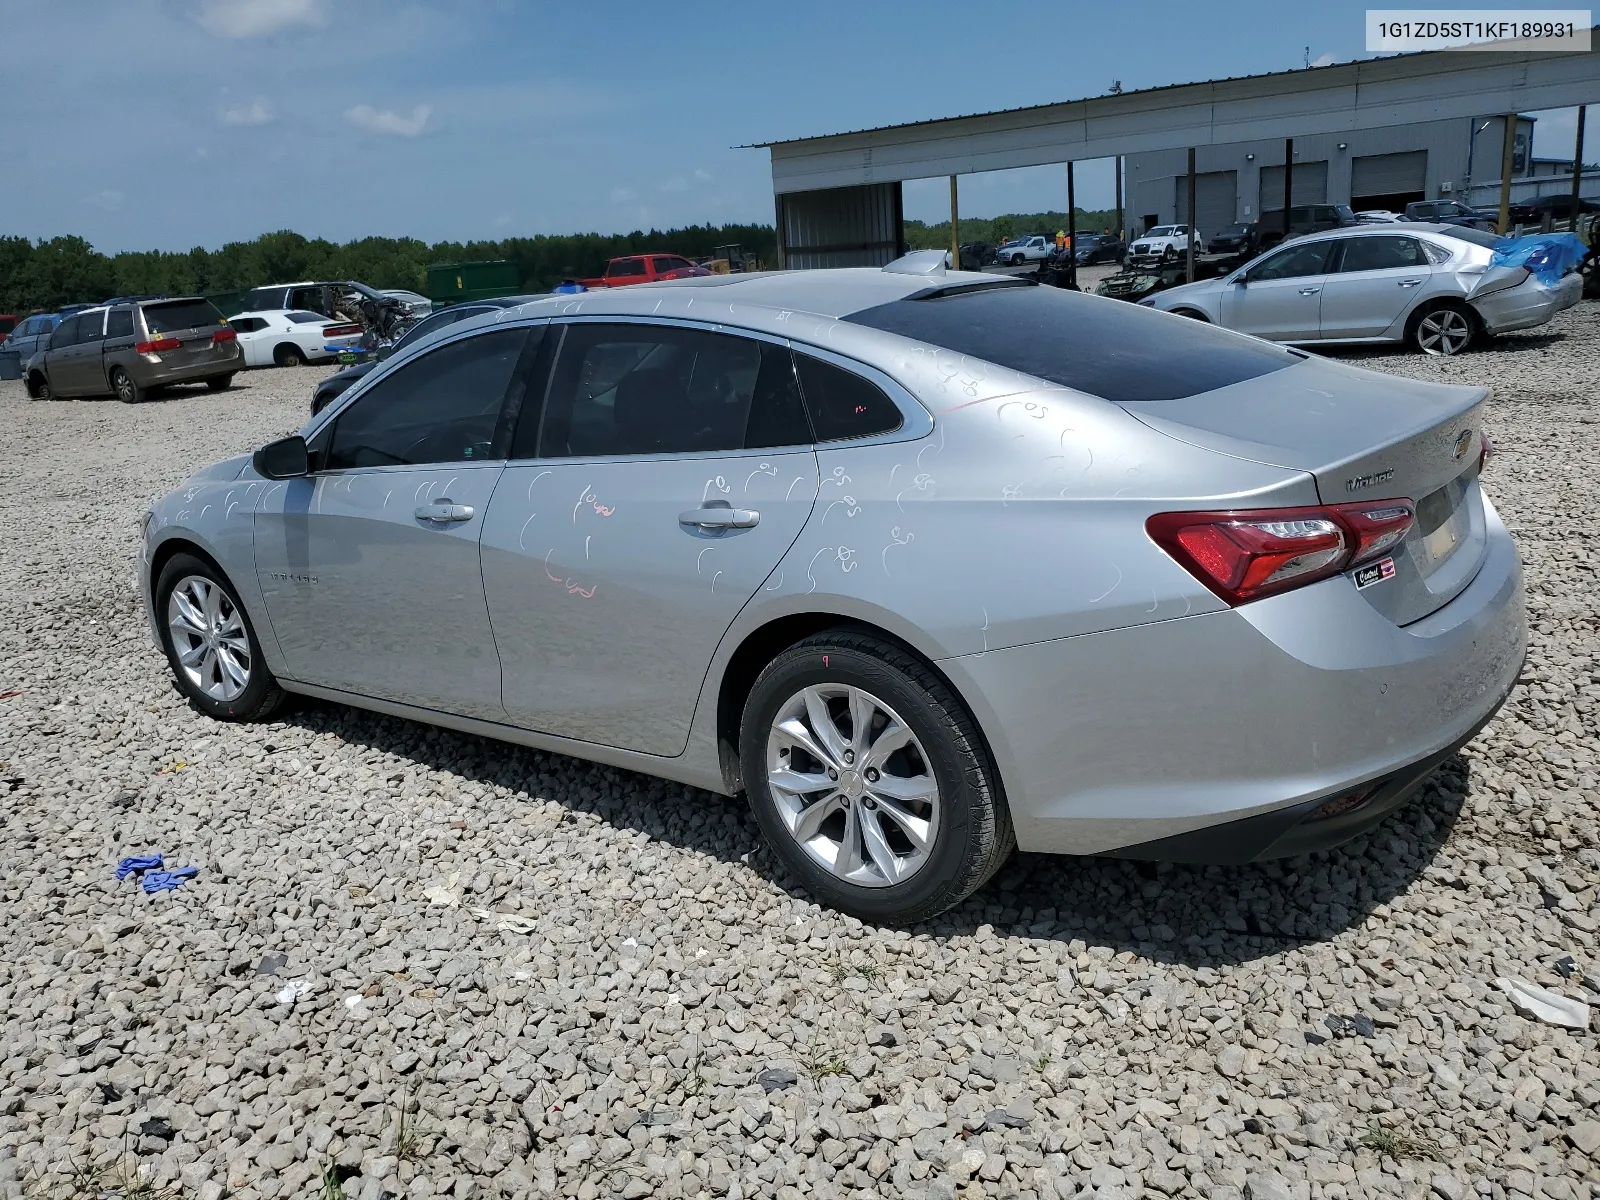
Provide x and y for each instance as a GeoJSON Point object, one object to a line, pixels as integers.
{"type": "Point", "coordinates": [1432, 287]}
{"type": "Point", "coordinates": [928, 565]}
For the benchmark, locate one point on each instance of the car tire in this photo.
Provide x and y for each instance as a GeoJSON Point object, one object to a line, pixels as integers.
{"type": "Point", "coordinates": [1443, 329]}
{"type": "Point", "coordinates": [877, 871]}
{"type": "Point", "coordinates": [217, 635]}
{"type": "Point", "coordinates": [125, 387]}
{"type": "Point", "coordinates": [220, 383]}
{"type": "Point", "coordinates": [39, 387]}
{"type": "Point", "coordinates": [1016, 260]}
{"type": "Point", "coordinates": [289, 355]}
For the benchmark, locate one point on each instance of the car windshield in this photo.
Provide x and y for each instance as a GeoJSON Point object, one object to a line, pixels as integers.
{"type": "Point", "coordinates": [180, 314]}
{"type": "Point", "coordinates": [301, 317]}
{"type": "Point", "coordinates": [1478, 237]}
{"type": "Point", "coordinates": [1162, 231]}
{"type": "Point", "coordinates": [1119, 352]}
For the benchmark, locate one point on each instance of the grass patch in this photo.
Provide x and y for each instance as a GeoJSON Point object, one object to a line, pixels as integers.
{"type": "Point", "coordinates": [1398, 1144]}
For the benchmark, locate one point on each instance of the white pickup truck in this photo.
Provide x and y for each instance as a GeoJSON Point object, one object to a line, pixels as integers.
{"type": "Point", "coordinates": [1166, 242]}
{"type": "Point", "coordinates": [1026, 249]}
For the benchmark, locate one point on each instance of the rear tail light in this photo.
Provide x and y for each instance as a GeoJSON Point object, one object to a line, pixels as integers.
{"type": "Point", "coordinates": [340, 330]}
{"type": "Point", "coordinates": [1245, 555]}
{"type": "Point", "coordinates": [224, 335]}
{"type": "Point", "coordinates": [157, 345]}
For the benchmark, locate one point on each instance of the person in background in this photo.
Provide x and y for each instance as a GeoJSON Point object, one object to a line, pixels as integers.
{"type": "Point", "coordinates": [1061, 239]}
{"type": "Point", "coordinates": [569, 287]}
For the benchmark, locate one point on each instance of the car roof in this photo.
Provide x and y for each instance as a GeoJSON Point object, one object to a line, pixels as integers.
{"type": "Point", "coordinates": [763, 296]}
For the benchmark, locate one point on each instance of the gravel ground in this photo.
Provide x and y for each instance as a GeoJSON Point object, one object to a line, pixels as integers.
{"type": "Point", "coordinates": [424, 964]}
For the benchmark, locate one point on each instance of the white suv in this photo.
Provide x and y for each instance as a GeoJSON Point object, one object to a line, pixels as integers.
{"type": "Point", "coordinates": [1166, 242]}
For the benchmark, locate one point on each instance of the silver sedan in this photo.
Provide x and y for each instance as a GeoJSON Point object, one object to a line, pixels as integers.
{"type": "Point", "coordinates": [1430, 286]}
{"type": "Point", "coordinates": [929, 565]}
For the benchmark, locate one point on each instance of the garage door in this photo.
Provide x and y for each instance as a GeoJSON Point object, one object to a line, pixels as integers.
{"type": "Point", "coordinates": [1216, 200]}
{"type": "Point", "coordinates": [1388, 180]}
{"type": "Point", "coordinates": [840, 227]}
{"type": "Point", "coordinates": [1310, 185]}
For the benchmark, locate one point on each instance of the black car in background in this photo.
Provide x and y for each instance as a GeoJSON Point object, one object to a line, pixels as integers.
{"type": "Point", "coordinates": [1238, 238]}
{"type": "Point", "coordinates": [1449, 212]}
{"type": "Point", "coordinates": [1559, 208]}
{"type": "Point", "coordinates": [1088, 248]}
{"type": "Point", "coordinates": [1303, 219]}
{"type": "Point", "coordinates": [976, 255]}
{"type": "Point", "coordinates": [336, 384]}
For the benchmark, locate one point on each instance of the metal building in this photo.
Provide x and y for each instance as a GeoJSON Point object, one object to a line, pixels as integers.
{"type": "Point", "coordinates": [837, 196]}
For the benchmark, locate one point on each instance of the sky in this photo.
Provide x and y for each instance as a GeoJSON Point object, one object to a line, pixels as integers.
{"type": "Point", "coordinates": [165, 124]}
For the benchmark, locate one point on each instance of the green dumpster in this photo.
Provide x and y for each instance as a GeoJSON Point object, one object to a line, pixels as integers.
{"type": "Point", "coordinates": [451, 283]}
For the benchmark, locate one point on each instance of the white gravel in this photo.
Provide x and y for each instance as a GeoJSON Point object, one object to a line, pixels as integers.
{"type": "Point", "coordinates": [578, 975]}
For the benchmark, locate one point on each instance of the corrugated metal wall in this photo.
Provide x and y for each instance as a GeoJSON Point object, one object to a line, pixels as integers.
{"type": "Point", "coordinates": [1216, 198]}
{"type": "Point", "coordinates": [840, 227]}
{"type": "Point", "coordinates": [1310, 185]}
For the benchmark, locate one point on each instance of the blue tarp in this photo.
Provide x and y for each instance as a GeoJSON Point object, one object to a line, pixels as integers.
{"type": "Point", "coordinates": [1548, 256]}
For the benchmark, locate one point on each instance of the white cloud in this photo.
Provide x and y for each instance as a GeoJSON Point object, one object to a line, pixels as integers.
{"type": "Point", "coordinates": [676, 184]}
{"type": "Point", "coordinates": [110, 200]}
{"type": "Point", "coordinates": [1323, 60]}
{"type": "Point", "coordinates": [364, 116]}
{"type": "Point", "coordinates": [254, 113]}
{"type": "Point", "coordinates": [257, 18]}
{"type": "Point", "coordinates": [622, 195]}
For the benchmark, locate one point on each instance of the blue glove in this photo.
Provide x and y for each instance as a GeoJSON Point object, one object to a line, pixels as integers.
{"type": "Point", "coordinates": [166, 881]}
{"type": "Point", "coordinates": [132, 866]}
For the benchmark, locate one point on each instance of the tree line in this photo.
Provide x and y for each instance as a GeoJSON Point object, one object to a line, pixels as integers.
{"type": "Point", "coordinates": [44, 275]}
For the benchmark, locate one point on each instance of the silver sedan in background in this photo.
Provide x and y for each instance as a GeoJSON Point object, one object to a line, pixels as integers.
{"type": "Point", "coordinates": [930, 565]}
{"type": "Point", "coordinates": [1429, 286]}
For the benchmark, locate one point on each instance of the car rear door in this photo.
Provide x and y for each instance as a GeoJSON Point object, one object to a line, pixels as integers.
{"type": "Point", "coordinates": [118, 347]}
{"type": "Point", "coordinates": [1375, 280]}
{"type": "Point", "coordinates": [1281, 296]}
{"type": "Point", "coordinates": [671, 472]}
{"type": "Point", "coordinates": [370, 566]}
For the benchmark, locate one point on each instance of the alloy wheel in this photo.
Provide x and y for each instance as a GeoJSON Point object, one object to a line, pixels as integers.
{"type": "Point", "coordinates": [853, 785]}
{"type": "Point", "coordinates": [1444, 331]}
{"type": "Point", "coordinates": [209, 638]}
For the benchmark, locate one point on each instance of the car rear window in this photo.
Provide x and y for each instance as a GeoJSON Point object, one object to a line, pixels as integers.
{"type": "Point", "coordinates": [301, 317]}
{"type": "Point", "coordinates": [1107, 348]}
{"type": "Point", "coordinates": [173, 315]}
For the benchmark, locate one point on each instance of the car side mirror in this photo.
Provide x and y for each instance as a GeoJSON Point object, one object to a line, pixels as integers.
{"type": "Point", "coordinates": [383, 352]}
{"type": "Point", "coordinates": [283, 459]}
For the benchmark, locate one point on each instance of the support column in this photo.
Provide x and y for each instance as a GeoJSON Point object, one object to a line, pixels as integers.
{"type": "Point", "coordinates": [1194, 228]}
{"type": "Point", "coordinates": [1577, 165]}
{"type": "Point", "coordinates": [1288, 184]}
{"type": "Point", "coordinates": [1120, 231]}
{"type": "Point", "coordinates": [1506, 150]}
{"type": "Point", "coordinates": [1072, 232]}
{"type": "Point", "coordinates": [955, 222]}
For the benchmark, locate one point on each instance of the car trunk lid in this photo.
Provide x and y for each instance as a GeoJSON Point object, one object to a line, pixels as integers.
{"type": "Point", "coordinates": [1362, 436]}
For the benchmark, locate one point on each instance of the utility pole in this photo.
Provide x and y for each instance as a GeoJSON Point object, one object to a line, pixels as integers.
{"type": "Point", "coordinates": [1194, 229]}
{"type": "Point", "coordinates": [1120, 231]}
{"type": "Point", "coordinates": [1506, 149]}
{"type": "Point", "coordinates": [955, 220]}
{"type": "Point", "coordinates": [1577, 165]}
{"type": "Point", "coordinates": [1072, 232]}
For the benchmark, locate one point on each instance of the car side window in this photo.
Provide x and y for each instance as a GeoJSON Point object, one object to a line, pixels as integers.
{"type": "Point", "coordinates": [1381, 253]}
{"type": "Point", "coordinates": [66, 334]}
{"type": "Point", "coordinates": [628, 267]}
{"type": "Point", "coordinates": [438, 321]}
{"type": "Point", "coordinates": [663, 265]}
{"type": "Point", "coordinates": [659, 389]}
{"type": "Point", "coordinates": [1292, 263]}
{"type": "Point", "coordinates": [307, 297]}
{"type": "Point", "coordinates": [119, 323]}
{"type": "Point", "coordinates": [842, 404]}
{"type": "Point", "coordinates": [91, 327]}
{"type": "Point", "coordinates": [442, 407]}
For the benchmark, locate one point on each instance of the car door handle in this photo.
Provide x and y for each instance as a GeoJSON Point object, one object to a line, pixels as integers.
{"type": "Point", "coordinates": [720, 518]}
{"type": "Point", "coordinates": [1410, 282]}
{"type": "Point", "coordinates": [1309, 291]}
{"type": "Point", "coordinates": [444, 509]}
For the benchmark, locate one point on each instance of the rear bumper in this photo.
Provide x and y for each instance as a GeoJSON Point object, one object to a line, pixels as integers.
{"type": "Point", "coordinates": [149, 375]}
{"type": "Point", "coordinates": [1136, 741]}
{"type": "Point", "coordinates": [1527, 305]}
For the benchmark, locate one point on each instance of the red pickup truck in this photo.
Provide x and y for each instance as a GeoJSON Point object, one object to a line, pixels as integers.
{"type": "Point", "coordinates": [644, 268]}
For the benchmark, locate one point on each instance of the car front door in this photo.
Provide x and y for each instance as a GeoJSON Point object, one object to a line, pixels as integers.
{"type": "Point", "coordinates": [1376, 281]}
{"type": "Point", "coordinates": [370, 565]}
{"type": "Point", "coordinates": [1281, 296]}
{"type": "Point", "coordinates": [58, 356]}
{"type": "Point", "coordinates": [671, 473]}
{"type": "Point", "coordinates": [76, 370]}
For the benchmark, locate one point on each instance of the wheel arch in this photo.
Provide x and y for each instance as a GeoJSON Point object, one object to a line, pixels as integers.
{"type": "Point", "coordinates": [1428, 303]}
{"type": "Point", "coordinates": [32, 382]}
{"type": "Point", "coordinates": [761, 645]}
{"type": "Point", "coordinates": [291, 346]}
